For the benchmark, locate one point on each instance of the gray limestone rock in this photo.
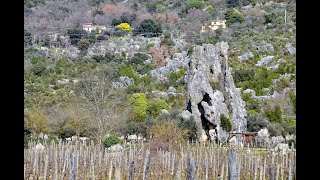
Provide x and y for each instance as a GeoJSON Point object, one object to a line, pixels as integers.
{"type": "Point", "coordinates": [245, 56]}
{"type": "Point", "coordinates": [209, 66]}
{"type": "Point", "coordinates": [126, 81]}
{"type": "Point", "coordinates": [173, 65]}
{"type": "Point", "coordinates": [264, 60]}
{"type": "Point", "coordinates": [252, 92]}
{"type": "Point", "coordinates": [265, 48]}
{"type": "Point", "coordinates": [171, 89]}
{"type": "Point", "coordinates": [290, 48]}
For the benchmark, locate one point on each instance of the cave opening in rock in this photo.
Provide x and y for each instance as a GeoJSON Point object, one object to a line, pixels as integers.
{"type": "Point", "coordinates": [206, 124]}
{"type": "Point", "coordinates": [189, 106]}
{"type": "Point", "coordinates": [207, 99]}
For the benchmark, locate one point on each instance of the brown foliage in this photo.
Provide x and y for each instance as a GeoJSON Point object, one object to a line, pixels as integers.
{"type": "Point", "coordinates": [166, 134]}
{"type": "Point", "coordinates": [159, 55]}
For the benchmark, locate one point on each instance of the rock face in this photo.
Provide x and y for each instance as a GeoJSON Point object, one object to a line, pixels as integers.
{"type": "Point", "coordinates": [178, 60]}
{"type": "Point", "coordinates": [211, 90]}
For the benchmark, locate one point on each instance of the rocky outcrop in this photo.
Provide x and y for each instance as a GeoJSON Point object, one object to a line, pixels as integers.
{"type": "Point", "coordinates": [290, 48]}
{"type": "Point", "coordinates": [245, 56]}
{"type": "Point", "coordinates": [211, 90]}
{"type": "Point", "coordinates": [173, 65]}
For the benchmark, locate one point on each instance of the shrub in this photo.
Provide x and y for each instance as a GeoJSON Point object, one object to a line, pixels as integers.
{"type": "Point", "coordinates": [167, 134]}
{"type": "Point", "coordinates": [149, 26]}
{"type": "Point", "coordinates": [232, 3]}
{"type": "Point", "coordinates": [75, 35]}
{"type": "Point", "coordinates": [293, 99]}
{"type": "Point", "coordinates": [225, 123]}
{"type": "Point", "coordinates": [119, 32]}
{"type": "Point", "coordinates": [255, 122]}
{"type": "Point", "coordinates": [109, 56]}
{"type": "Point", "coordinates": [198, 4]}
{"type": "Point", "coordinates": [275, 129]}
{"type": "Point", "coordinates": [98, 58]}
{"type": "Point", "coordinates": [155, 106]}
{"type": "Point", "coordinates": [128, 71]}
{"type": "Point", "coordinates": [274, 115]}
{"type": "Point", "coordinates": [128, 18]}
{"type": "Point", "coordinates": [115, 22]}
{"type": "Point", "coordinates": [232, 17]}
{"type": "Point", "coordinates": [84, 44]}
{"type": "Point", "coordinates": [243, 75]}
{"type": "Point", "coordinates": [111, 140]}
{"type": "Point", "coordinates": [124, 26]}
{"type": "Point", "coordinates": [215, 85]}
{"type": "Point", "coordinates": [138, 58]}
{"type": "Point", "coordinates": [135, 128]}
{"type": "Point", "coordinates": [139, 105]}
{"type": "Point", "coordinates": [269, 18]}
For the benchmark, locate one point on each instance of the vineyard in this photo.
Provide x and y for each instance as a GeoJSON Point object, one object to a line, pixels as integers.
{"type": "Point", "coordinates": [136, 161]}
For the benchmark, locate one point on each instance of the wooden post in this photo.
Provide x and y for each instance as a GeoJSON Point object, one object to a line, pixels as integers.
{"type": "Point", "coordinates": [271, 168]}
{"type": "Point", "coordinates": [55, 175]}
{"type": "Point", "coordinates": [207, 168]}
{"type": "Point", "coordinates": [179, 169]}
{"type": "Point", "coordinates": [222, 171]}
{"type": "Point", "coordinates": [233, 166]}
{"type": "Point", "coordinates": [73, 168]}
{"type": "Point", "coordinates": [264, 168]}
{"type": "Point", "coordinates": [146, 165]}
{"type": "Point", "coordinates": [46, 167]}
{"type": "Point", "coordinates": [131, 170]}
{"type": "Point", "coordinates": [277, 174]}
{"type": "Point", "coordinates": [256, 164]}
{"type": "Point", "coordinates": [289, 170]}
{"type": "Point", "coordinates": [172, 167]}
{"type": "Point", "coordinates": [190, 168]}
{"type": "Point", "coordinates": [92, 167]}
{"type": "Point", "coordinates": [110, 169]}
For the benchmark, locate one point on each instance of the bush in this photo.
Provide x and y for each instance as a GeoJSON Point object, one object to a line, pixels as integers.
{"type": "Point", "coordinates": [243, 75]}
{"type": "Point", "coordinates": [138, 58]}
{"type": "Point", "coordinates": [155, 106]}
{"type": "Point", "coordinates": [128, 71]}
{"type": "Point", "coordinates": [232, 3]}
{"type": "Point", "coordinates": [119, 32]}
{"type": "Point", "coordinates": [167, 134]}
{"type": "Point", "coordinates": [135, 128]}
{"type": "Point", "coordinates": [84, 45]}
{"type": "Point", "coordinates": [293, 99]}
{"type": "Point", "coordinates": [269, 18]}
{"type": "Point", "coordinates": [115, 22]}
{"type": "Point", "coordinates": [139, 105]}
{"type": "Point", "coordinates": [75, 35]}
{"type": "Point", "coordinates": [98, 58]}
{"type": "Point", "coordinates": [111, 140]}
{"type": "Point", "coordinates": [198, 4]}
{"type": "Point", "coordinates": [225, 123]}
{"type": "Point", "coordinates": [255, 122]}
{"type": "Point", "coordinates": [126, 18]}
{"type": "Point", "coordinates": [149, 28]}
{"type": "Point", "coordinates": [233, 17]}
{"type": "Point", "coordinates": [275, 129]}
{"type": "Point", "coordinates": [274, 115]}
{"type": "Point", "coordinates": [124, 26]}
{"type": "Point", "coordinates": [109, 56]}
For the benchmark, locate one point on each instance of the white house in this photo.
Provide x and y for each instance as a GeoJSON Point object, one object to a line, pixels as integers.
{"type": "Point", "coordinates": [89, 27]}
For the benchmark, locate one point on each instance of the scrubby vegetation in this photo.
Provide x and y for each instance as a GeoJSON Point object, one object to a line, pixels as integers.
{"type": "Point", "coordinates": [76, 93]}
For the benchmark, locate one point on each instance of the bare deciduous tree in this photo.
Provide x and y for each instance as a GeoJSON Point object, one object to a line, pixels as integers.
{"type": "Point", "coordinates": [107, 106]}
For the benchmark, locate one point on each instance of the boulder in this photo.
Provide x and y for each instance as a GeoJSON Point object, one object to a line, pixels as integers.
{"type": "Point", "coordinates": [245, 56]}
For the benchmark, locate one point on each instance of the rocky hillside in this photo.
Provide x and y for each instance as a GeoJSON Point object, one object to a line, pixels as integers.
{"type": "Point", "coordinates": [238, 78]}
